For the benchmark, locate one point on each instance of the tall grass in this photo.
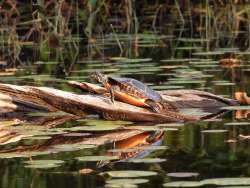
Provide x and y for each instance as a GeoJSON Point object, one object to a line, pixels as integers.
{"type": "Point", "coordinates": [64, 30]}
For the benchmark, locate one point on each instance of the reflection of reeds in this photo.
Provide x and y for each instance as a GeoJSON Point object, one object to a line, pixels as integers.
{"type": "Point", "coordinates": [60, 30]}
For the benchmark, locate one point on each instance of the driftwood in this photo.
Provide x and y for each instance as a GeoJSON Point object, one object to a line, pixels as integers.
{"type": "Point", "coordinates": [28, 98]}
{"type": "Point", "coordinates": [197, 99]}
{"type": "Point", "coordinates": [182, 98]}
{"type": "Point", "coordinates": [43, 98]}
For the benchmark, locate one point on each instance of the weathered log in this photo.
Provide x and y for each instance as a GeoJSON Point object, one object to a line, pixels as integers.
{"type": "Point", "coordinates": [21, 99]}
{"type": "Point", "coordinates": [80, 105]}
{"type": "Point", "coordinates": [187, 98]}
{"type": "Point", "coordinates": [183, 98]}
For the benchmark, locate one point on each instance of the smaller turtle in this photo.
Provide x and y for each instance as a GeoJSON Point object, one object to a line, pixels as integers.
{"type": "Point", "coordinates": [134, 92]}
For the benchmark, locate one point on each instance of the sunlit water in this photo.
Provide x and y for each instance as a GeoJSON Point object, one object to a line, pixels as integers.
{"type": "Point", "coordinates": [194, 152]}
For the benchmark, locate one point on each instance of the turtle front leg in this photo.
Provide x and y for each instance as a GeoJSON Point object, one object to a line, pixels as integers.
{"type": "Point", "coordinates": [112, 91]}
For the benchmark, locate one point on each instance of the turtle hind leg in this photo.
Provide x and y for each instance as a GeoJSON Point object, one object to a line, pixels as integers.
{"type": "Point", "coordinates": [161, 107]}
{"type": "Point", "coordinates": [155, 107]}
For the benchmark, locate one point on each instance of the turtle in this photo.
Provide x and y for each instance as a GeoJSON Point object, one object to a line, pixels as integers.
{"type": "Point", "coordinates": [134, 92]}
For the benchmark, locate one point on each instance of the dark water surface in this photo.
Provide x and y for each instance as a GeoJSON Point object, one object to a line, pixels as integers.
{"type": "Point", "coordinates": [193, 152]}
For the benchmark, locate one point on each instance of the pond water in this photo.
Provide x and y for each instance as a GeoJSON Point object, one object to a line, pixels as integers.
{"type": "Point", "coordinates": [81, 153]}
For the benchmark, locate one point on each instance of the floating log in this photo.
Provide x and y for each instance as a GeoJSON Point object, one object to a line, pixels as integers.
{"type": "Point", "coordinates": [82, 105]}
{"type": "Point", "coordinates": [185, 98]}
{"type": "Point", "coordinates": [49, 99]}
{"type": "Point", "coordinates": [16, 101]}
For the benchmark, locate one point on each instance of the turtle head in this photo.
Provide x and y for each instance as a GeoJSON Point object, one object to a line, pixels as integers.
{"type": "Point", "coordinates": [99, 77]}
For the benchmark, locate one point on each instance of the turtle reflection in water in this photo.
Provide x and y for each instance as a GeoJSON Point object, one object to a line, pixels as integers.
{"type": "Point", "coordinates": [136, 147]}
{"type": "Point", "coordinates": [134, 92]}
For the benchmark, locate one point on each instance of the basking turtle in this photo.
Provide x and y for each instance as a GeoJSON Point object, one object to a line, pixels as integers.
{"type": "Point", "coordinates": [133, 92]}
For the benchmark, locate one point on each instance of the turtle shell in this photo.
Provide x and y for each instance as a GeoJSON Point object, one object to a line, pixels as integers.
{"type": "Point", "coordinates": [135, 88]}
